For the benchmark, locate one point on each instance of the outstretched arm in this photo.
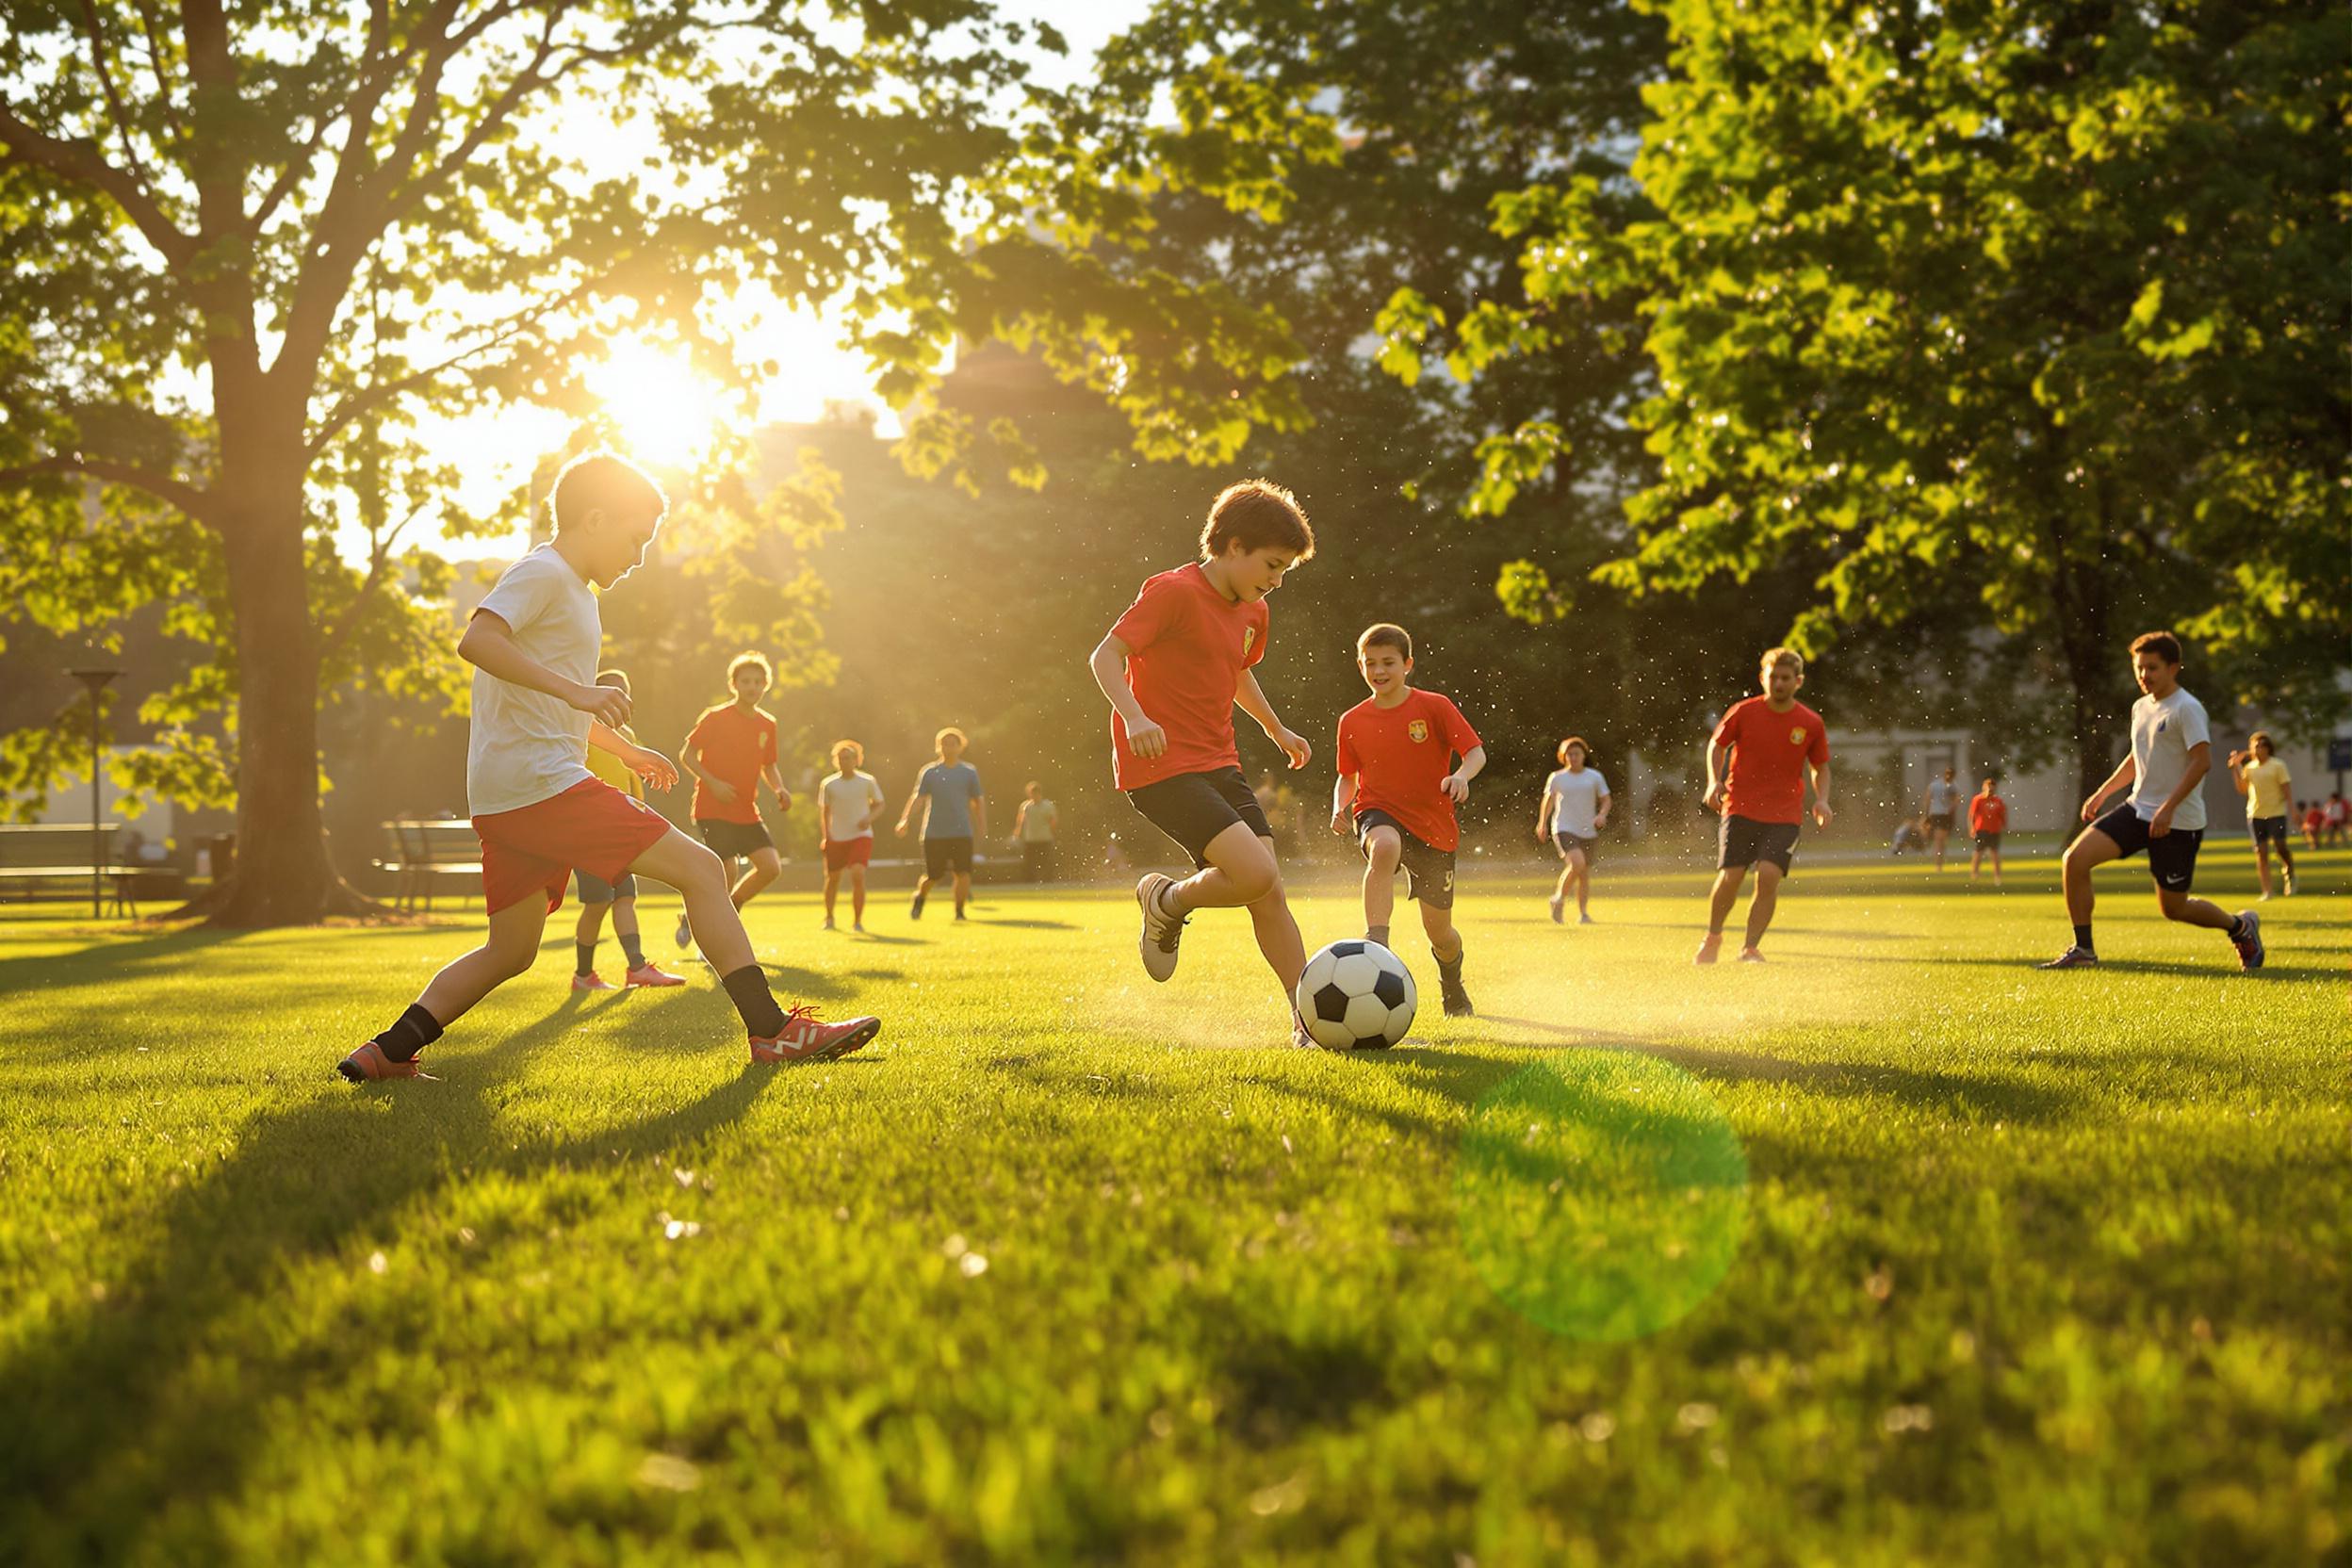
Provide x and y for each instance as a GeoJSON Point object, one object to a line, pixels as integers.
{"type": "Point", "coordinates": [1251, 699]}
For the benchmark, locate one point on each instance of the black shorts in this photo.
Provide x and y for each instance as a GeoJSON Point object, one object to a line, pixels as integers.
{"type": "Point", "coordinates": [1577, 841]}
{"type": "Point", "coordinates": [734, 840]}
{"type": "Point", "coordinates": [1742, 841]}
{"type": "Point", "coordinates": [2171, 859]}
{"type": "Point", "coordinates": [1939, 822]}
{"type": "Point", "coordinates": [1988, 840]}
{"type": "Point", "coordinates": [2273, 829]}
{"type": "Point", "coordinates": [1428, 870]}
{"type": "Point", "coordinates": [941, 855]}
{"type": "Point", "coordinates": [596, 890]}
{"type": "Point", "coordinates": [1193, 807]}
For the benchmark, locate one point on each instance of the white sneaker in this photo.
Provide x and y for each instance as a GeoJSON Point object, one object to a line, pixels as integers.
{"type": "Point", "coordinates": [1559, 907]}
{"type": "Point", "coordinates": [1161, 931]}
{"type": "Point", "coordinates": [685, 932]}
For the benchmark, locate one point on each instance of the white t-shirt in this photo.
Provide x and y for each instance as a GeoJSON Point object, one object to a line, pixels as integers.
{"type": "Point", "coordinates": [1939, 797]}
{"type": "Point", "coordinates": [1036, 823]}
{"type": "Point", "coordinates": [1578, 800]}
{"type": "Point", "coordinates": [526, 745]}
{"type": "Point", "coordinates": [847, 799]}
{"type": "Point", "coordinates": [2161, 734]}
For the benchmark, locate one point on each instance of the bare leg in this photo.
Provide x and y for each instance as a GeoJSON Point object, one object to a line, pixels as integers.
{"type": "Point", "coordinates": [832, 886]}
{"type": "Point", "coordinates": [1581, 865]}
{"type": "Point", "coordinates": [1766, 899]}
{"type": "Point", "coordinates": [698, 874]}
{"type": "Point", "coordinates": [1976, 859]}
{"type": "Point", "coordinates": [591, 923]}
{"type": "Point", "coordinates": [1996, 868]}
{"type": "Point", "coordinates": [1940, 837]}
{"type": "Point", "coordinates": [2193, 912]}
{"type": "Point", "coordinates": [1241, 871]}
{"type": "Point", "coordinates": [2261, 865]}
{"type": "Point", "coordinates": [765, 868]}
{"type": "Point", "coordinates": [1383, 849]}
{"type": "Point", "coordinates": [857, 895]}
{"type": "Point", "coordinates": [2090, 848]}
{"type": "Point", "coordinates": [963, 889]}
{"type": "Point", "coordinates": [1444, 942]}
{"type": "Point", "coordinates": [1567, 877]}
{"type": "Point", "coordinates": [507, 951]}
{"type": "Point", "coordinates": [1726, 892]}
{"type": "Point", "coordinates": [625, 917]}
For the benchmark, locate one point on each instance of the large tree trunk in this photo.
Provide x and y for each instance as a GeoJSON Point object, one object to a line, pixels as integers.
{"type": "Point", "coordinates": [282, 876]}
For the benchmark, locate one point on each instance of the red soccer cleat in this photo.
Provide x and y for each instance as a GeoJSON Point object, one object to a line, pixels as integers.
{"type": "Point", "coordinates": [368, 1064]}
{"type": "Point", "coordinates": [805, 1038]}
{"type": "Point", "coordinates": [645, 975]}
{"type": "Point", "coordinates": [590, 982]}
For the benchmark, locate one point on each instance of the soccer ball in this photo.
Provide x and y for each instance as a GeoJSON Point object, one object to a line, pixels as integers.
{"type": "Point", "coordinates": [1356, 996]}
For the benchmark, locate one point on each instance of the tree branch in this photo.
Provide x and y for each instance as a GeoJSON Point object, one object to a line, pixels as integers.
{"type": "Point", "coordinates": [115, 110]}
{"type": "Point", "coordinates": [196, 502]}
{"type": "Point", "coordinates": [379, 554]}
{"type": "Point", "coordinates": [81, 163]}
{"type": "Point", "coordinates": [151, 24]}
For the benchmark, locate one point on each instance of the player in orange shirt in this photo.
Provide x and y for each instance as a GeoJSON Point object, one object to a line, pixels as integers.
{"type": "Point", "coordinates": [1989, 819]}
{"type": "Point", "coordinates": [732, 752]}
{"type": "Point", "coordinates": [1173, 668]}
{"type": "Point", "coordinates": [1769, 741]}
{"type": "Point", "coordinates": [1397, 790]}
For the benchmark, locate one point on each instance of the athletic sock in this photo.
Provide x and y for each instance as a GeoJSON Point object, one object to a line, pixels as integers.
{"type": "Point", "coordinates": [633, 949]}
{"type": "Point", "coordinates": [416, 1030]}
{"type": "Point", "coordinates": [2082, 937]}
{"type": "Point", "coordinates": [747, 988]}
{"type": "Point", "coordinates": [587, 951]}
{"type": "Point", "coordinates": [1376, 934]}
{"type": "Point", "coordinates": [1449, 968]}
{"type": "Point", "coordinates": [2237, 927]}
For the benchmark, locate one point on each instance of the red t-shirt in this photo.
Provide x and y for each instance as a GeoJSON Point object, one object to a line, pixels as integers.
{"type": "Point", "coordinates": [1399, 756]}
{"type": "Point", "coordinates": [1767, 757]}
{"type": "Point", "coordinates": [736, 746]}
{"type": "Point", "coordinates": [1187, 646]}
{"type": "Point", "coordinates": [1988, 814]}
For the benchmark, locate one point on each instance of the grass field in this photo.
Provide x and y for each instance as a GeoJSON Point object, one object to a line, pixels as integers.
{"type": "Point", "coordinates": [2027, 1268]}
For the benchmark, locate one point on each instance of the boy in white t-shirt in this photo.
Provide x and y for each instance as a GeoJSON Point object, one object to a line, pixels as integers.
{"type": "Point", "coordinates": [2164, 814]}
{"type": "Point", "coordinates": [539, 811]}
{"type": "Point", "coordinates": [848, 803]}
{"type": "Point", "coordinates": [1576, 805]}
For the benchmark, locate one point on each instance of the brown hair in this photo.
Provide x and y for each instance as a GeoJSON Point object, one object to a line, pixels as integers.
{"type": "Point", "coordinates": [600, 480]}
{"type": "Point", "coordinates": [1775, 657]}
{"type": "Point", "coordinates": [1576, 741]}
{"type": "Point", "coordinates": [857, 753]}
{"type": "Point", "coordinates": [2260, 737]}
{"type": "Point", "coordinates": [1254, 514]}
{"type": "Point", "coordinates": [750, 661]}
{"type": "Point", "coordinates": [2163, 645]}
{"type": "Point", "coordinates": [1384, 635]}
{"type": "Point", "coordinates": [951, 729]}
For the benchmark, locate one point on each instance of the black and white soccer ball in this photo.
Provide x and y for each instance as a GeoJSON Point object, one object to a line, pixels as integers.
{"type": "Point", "coordinates": [1356, 996]}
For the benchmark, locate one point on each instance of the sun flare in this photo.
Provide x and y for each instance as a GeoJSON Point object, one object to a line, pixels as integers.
{"type": "Point", "coordinates": [662, 410]}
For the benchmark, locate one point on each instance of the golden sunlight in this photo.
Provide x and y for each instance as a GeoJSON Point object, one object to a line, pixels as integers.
{"type": "Point", "coordinates": [662, 410]}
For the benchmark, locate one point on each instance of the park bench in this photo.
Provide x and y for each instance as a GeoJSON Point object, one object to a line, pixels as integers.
{"type": "Point", "coordinates": [48, 858]}
{"type": "Point", "coordinates": [423, 851]}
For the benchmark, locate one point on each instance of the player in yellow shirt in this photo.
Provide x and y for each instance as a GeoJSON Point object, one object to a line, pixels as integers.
{"type": "Point", "coordinates": [2269, 793]}
{"type": "Point", "coordinates": [598, 895]}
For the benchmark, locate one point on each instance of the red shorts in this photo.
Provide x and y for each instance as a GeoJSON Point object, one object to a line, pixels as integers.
{"type": "Point", "coordinates": [840, 853]}
{"type": "Point", "coordinates": [590, 826]}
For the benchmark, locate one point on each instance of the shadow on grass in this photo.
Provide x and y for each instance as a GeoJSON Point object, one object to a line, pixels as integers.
{"type": "Point", "coordinates": [109, 1436]}
{"type": "Point", "coordinates": [2224, 967]}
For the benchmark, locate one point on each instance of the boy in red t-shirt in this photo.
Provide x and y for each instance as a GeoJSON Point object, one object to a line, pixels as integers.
{"type": "Point", "coordinates": [732, 752]}
{"type": "Point", "coordinates": [1989, 819]}
{"type": "Point", "coordinates": [1397, 789]}
{"type": "Point", "coordinates": [1173, 668]}
{"type": "Point", "coordinates": [1769, 741]}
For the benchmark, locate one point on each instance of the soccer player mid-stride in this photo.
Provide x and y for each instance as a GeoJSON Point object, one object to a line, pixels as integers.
{"type": "Point", "coordinates": [2164, 813]}
{"type": "Point", "coordinates": [542, 816]}
{"type": "Point", "coordinates": [1575, 810]}
{"type": "Point", "coordinates": [1769, 741]}
{"type": "Point", "coordinates": [2269, 792]}
{"type": "Point", "coordinates": [1173, 668]}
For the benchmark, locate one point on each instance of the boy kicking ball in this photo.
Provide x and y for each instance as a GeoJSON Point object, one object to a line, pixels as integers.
{"type": "Point", "coordinates": [2164, 813]}
{"type": "Point", "coordinates": [597, 895]}
{"type": "Point", "coordinates": [1173, 668]}
{"type": "Point", "coordinates": [1397, 790]}
{"type": "Point", "coordinates": [1768, 741]}
{"type": "Point", "coordinates": [540, 812]}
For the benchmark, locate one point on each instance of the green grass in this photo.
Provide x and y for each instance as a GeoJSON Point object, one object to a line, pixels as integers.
{"type": "Point", "coordinates": [2035, 1268]}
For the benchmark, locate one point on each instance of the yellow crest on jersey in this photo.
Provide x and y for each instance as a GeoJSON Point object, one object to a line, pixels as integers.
{"type": "Point", "coordinates": [1418, 730]}
{"type": "Point", "coordinates": [1248, 640]}
{"type": "Point", "coordinates": [1796, 735]}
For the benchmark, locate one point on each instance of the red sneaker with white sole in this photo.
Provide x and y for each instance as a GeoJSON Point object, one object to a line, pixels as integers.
{"type": "Point", "coordinates": [645, 975]}
{"type": "Point", "coordinates": [806, 1037]}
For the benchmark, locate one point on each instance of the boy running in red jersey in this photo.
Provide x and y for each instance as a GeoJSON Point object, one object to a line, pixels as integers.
{"type": "Point", "coordinates": [1398, 779]}
{"type": "Point", "coordinates": [1771, 742]}
{"type": "Point", "coordinates": [542, 814]}
{"type": "Point", "coordinates": [1989, 819]}
{"type": "Point", "coordinates": [1173, 668]}
{"type": "Point", "coordinates": [732, 752]}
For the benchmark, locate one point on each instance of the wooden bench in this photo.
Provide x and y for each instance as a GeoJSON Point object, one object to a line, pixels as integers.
{"type": "Point", "coordinates": [49, 859]}
{"type": "Point", "coordinates": [423, 851]}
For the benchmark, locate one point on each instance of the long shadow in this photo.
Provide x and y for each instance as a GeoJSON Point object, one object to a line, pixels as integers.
{"type": "Point", "coordinates": [1029, 924]}
{"type": "Point", "coordinates": [108, 1436]}
{"type": "Point", "coordinates": [2222, 968]}
{"type": "Point", "coordinates": [106, 963]}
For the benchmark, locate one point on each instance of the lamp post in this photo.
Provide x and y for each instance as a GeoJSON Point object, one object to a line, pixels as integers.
{"type": "Point", "coordinates": [96, 681]}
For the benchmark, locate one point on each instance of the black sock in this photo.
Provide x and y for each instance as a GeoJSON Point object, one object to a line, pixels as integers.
{"type": "Point", "coordinates": [633, 948]}
{"type": "Point", "coordinates": [416, 1030]}
{"type": "Point", "coordinates": [2083, 937]}
{"type": "Point", "coordinates": [747, 988]}
{"type": "Point", "coordinates": [587, 951]}
{"type": "Point", "coordinates": [2237, 927]}
{"type": "Point", "coordinates": [1376, 934]}
{"type": "Point", "coordinates": [1451, 967]}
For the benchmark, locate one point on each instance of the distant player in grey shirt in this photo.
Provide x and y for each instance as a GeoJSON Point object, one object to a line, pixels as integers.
{"type": "Point", "coordinates": [1576, 804]}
